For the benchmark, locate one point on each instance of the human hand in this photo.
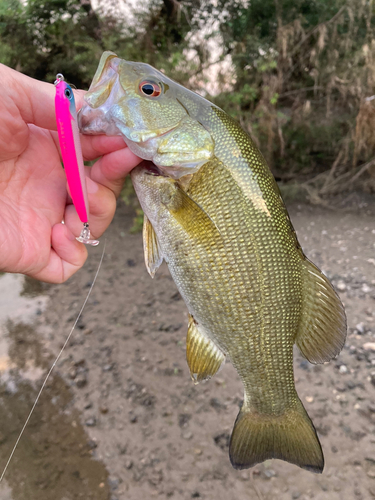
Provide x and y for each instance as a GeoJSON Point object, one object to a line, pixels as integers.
{"type": "Point", "coordinates": [33, 189]}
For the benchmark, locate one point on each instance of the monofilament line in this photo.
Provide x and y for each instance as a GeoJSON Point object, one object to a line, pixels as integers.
{"type": "Point", "coordinates": [53, 366]}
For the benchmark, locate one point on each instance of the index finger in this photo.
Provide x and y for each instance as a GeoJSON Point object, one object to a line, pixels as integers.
{"type": "Point", "coordinates": [34, 99]}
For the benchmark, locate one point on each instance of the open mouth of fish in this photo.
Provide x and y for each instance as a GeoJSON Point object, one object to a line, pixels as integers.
{"type": "Point", "coordinates": [152, 169]}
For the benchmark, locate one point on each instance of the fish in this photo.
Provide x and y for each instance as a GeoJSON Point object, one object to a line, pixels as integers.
{"type": "Point", "coordinates": [215, 215]}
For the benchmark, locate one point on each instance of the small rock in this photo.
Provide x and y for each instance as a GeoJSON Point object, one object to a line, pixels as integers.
{"type": "Point", "coordinates": [131, 263]}
{"type": "Point", "coordinates": [81, 380]}
{"type": "Point", "coordinates": [92, 444]}
{"type": "Point", "coordinates": [103, 409]}
{"type": "Point", "coordinates": [134, 419]}
{"type": "Point", "coordinates": [113, 483]}
{"type": "Point", "coordinates": [183, 419]}
{"type": "Point", "coordinates": [222, 440]}
{"type": "Point", "coordinates": [309, 399]}
{"type": "Point", "coordinates": [366, 288]}
{"type": "Point", "coordinates": [91, 422]}
{"type": "Point", "coordinates": [360, 328]}
{"type": "Point", "coordinates": [195, 494]}
{"type": "Point", "coordinates": [269, 473]}
{"type": "Point", "coordinates": [371, 408]}
{"type": "Point", "coordinates": [107, 368]}
{"type": "Point", "coordinates": [88, 406]}
{"type": "Point", "coordinates": [187, 435]}
{"type": "Point", "coordinates": [341, 286]}
{"type": "Point", "coordinates": [244, 475]}
{"type": "Point", "coordinates": [128, 464]}
{"type": "Point", "coordinates": [371, 473]}
{"type": "Point", "coordinates": [343, 369]}
{"type": "Point", "coordinates": [304, 364]}
{"type": "Point", "coordinates": [295, 495]}
{"type": "Point", "coordinates": [369, 346]}
{"type": "Point", "coordinates": [334, 449]}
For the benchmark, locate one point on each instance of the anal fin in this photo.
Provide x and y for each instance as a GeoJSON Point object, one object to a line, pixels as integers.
{"type": "Point", "coordinates": [153, 255]}
{"type": "Point", "coordinates": [203, 356]}
{"type": "Point", "coordinates": [322, 330]}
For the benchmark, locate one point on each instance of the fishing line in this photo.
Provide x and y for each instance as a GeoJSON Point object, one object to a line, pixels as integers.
{"type": "Point", "coordinates": [53, 366]}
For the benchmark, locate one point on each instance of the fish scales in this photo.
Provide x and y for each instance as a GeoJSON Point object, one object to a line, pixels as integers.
{"type": "Point", "coordinates": [214, 213]}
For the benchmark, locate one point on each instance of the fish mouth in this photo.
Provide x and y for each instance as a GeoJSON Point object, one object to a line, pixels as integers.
{"type": "Point", "coordinates": [151, 169]}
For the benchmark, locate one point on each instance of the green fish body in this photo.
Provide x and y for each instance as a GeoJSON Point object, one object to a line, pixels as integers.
{"type": "Point", "coordinates": [214, 213]}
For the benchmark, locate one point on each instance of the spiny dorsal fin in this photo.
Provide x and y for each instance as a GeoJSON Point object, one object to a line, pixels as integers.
{"type": "Point", "coordinates": [153, 255]}
{"type": "Point", "coordinates": [203, 356]}
{"type": "Point", "coordinates": [322, 330]}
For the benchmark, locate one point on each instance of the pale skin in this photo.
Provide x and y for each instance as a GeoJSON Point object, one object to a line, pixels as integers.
{"type": "Point", "coordinates": [33, 191]}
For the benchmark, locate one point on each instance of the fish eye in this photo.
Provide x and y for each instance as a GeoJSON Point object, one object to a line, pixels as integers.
{"type": "Point", "coordinates": [68, 93]}
{"type": "Point", "coordinates": [150, 88]}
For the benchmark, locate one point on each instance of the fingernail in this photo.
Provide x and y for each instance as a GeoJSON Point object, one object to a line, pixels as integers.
{"type": "Point", "coordinates": [92, 186]}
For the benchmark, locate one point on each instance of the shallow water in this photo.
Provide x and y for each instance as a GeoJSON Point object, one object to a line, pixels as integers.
{"type": "Point", "coordinates": [54, 458]}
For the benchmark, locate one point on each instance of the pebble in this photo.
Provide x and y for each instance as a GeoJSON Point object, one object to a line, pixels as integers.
{"type": "Point", "coordinates": [90, 422]}
{"type": "Point", "coordinates": [187, 435]}
{"type": "Point", "coordinates": [128, 464]}
{"type": "Point", "coordinates": [341, 286]}
{"type": "Point", "coordinates": [309, 399]}
{"type": "Point", "coordinates": [81, 380]}
{"type": "Point", "coordinates": [366, 288]}
{"type": "Point", "coordinates": [113, 483]}
{"type": "Point", "coordinates": [343, 369]}
{"type": "Point", "coordinates": [369, 346]}
{"type": "Point", "coordinates": [295, 495]}
{"type": "Point", "coordinates": [269, 473]}
{"type": "Point", "coordinates": [360, 328]}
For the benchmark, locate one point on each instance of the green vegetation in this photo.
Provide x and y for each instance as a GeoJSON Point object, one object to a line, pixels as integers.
{"type": "Point", "coordinates": [297, 74]}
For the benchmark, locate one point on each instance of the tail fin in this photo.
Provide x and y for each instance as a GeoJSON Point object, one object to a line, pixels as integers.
{"type": "Point", "coordinates": [290, 437]}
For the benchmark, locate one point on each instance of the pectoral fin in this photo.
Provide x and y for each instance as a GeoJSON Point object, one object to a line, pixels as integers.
{"type": "Point", "coordinates": [322, 330]}
{"type": "Point", "coordinates": [190, 215]}
{"type": "Point", "coordinates": [203, 356]}
{"type": "Point", "coordinates": [152, 251]}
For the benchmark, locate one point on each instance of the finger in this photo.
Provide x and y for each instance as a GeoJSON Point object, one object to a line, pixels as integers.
{"type": "Point", "coordinates": [94, 146]}
{"type": "Point", "coordinates": [111, 169]}
{"type": "Point", "coordinates": [67, 256]}
{"type": "Point", "coordinates": [35, 99]}
{"type": "Point", "coordinates": [102, 203]}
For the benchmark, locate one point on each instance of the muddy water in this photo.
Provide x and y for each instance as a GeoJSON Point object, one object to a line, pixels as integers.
{"type": "Point", "coordinates": [54, 459]}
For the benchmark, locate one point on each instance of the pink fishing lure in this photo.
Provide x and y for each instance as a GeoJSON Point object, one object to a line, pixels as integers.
{"type": "Point", "coordinates": [71, 152]}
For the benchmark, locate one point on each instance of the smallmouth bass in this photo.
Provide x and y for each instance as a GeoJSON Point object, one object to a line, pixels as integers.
{"type": "Point", "coordinates": [214, 213]}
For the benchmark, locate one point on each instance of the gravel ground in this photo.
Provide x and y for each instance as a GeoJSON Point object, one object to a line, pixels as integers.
{"type": "Point", "coordinates": [121, 418]}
